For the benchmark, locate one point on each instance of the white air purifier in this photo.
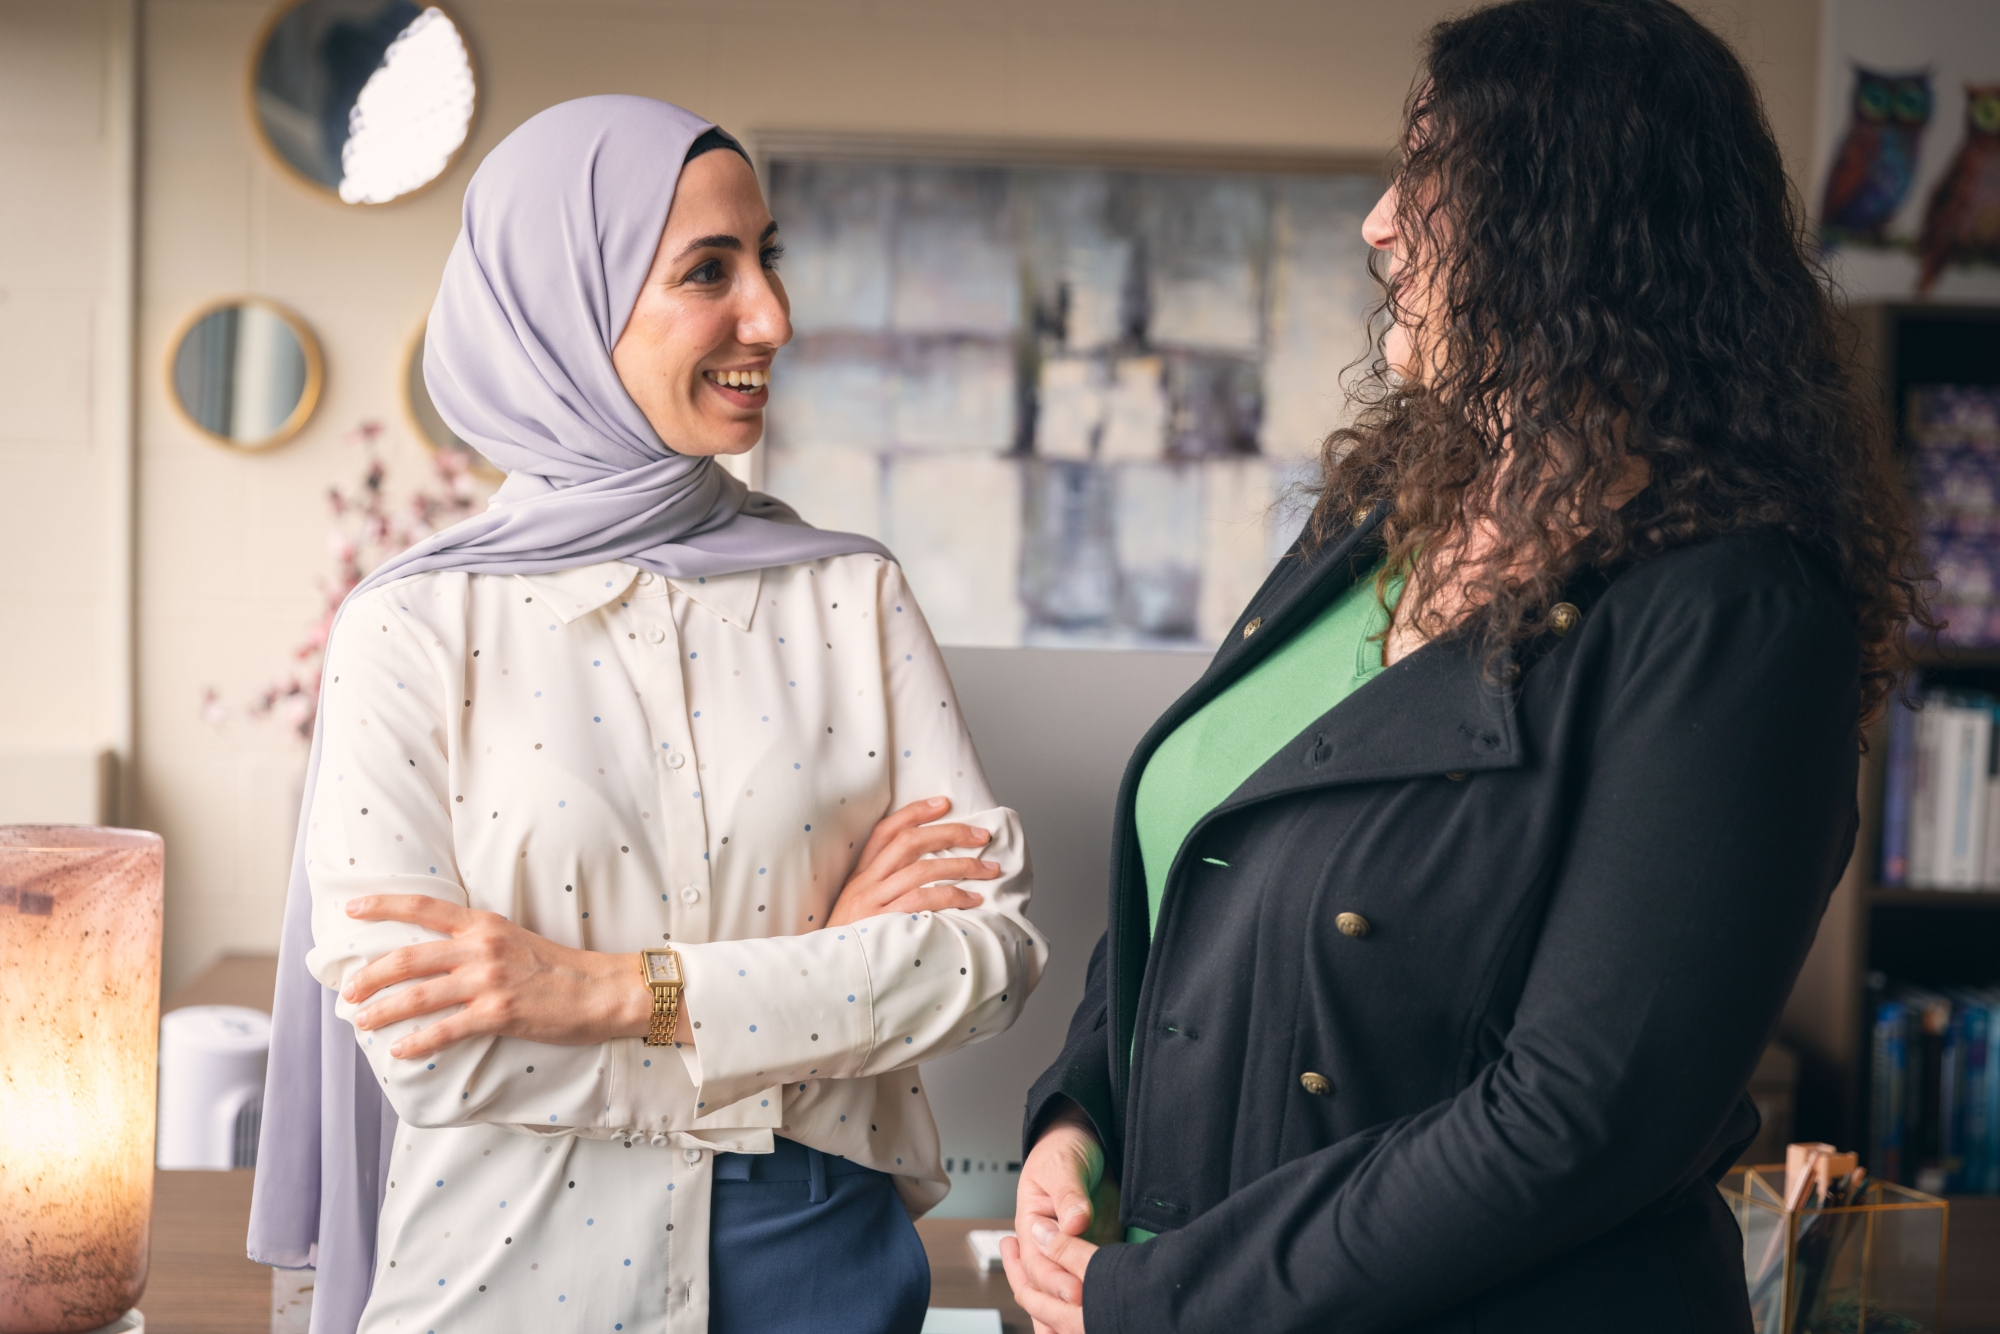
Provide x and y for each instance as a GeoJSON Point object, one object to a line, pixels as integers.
{"type": "Point", "coordinates": [212, 1061]}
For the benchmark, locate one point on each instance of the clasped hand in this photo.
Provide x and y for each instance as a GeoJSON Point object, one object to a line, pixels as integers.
{"type": "Point", "coordinates": [1060, 1221]}
{"type": "Point", "coordinates": [515, 983]}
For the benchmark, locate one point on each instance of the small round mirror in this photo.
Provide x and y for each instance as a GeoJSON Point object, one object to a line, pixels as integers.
{"type": "Point", "coordinates": [245, 372]}
{"type": "Point", "coordinates": [429, 422]}
{"type": "Point", "coordinates": [369, 99]}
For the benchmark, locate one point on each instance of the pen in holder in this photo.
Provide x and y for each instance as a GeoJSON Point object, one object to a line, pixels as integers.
{"type": "Point", "coordinates": [1829, 1250]}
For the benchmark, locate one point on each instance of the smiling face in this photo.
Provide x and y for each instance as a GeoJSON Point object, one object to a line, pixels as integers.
{"type": "Point", "coordinates": [696, 353]}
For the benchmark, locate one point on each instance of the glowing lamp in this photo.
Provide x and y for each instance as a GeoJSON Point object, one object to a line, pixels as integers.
{"type": "Point", "coordinates": [79, 1016]}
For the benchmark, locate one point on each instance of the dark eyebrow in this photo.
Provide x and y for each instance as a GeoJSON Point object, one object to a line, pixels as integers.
{"type": "Point", "coordinates": [723, 241]}
{"type": "Point", "coordinates": [720, 241]}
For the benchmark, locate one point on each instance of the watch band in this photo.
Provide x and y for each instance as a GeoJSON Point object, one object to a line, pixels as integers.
{"type": "Point", "coordinates": [666, 1010]}
{"type": "Point", "coordinates": [661, 971]}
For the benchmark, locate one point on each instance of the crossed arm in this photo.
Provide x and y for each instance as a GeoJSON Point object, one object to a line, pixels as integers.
{"type": "Point", "coordinates": [511, 982]}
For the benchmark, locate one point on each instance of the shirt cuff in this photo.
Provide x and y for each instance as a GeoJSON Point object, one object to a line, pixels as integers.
{"type": "Point", "coordinates": [777, 1010]}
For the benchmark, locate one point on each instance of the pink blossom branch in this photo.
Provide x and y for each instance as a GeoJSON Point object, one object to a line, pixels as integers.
{"type": "Point", "coordinates": [365, 534]}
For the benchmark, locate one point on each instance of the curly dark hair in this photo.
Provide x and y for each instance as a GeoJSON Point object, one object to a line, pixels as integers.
{"type": "Point", "coordinates": [1612, 264]}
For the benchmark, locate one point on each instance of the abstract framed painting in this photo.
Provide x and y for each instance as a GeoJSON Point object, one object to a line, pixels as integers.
{"type": "Point", "coordinates": [1080, 394]}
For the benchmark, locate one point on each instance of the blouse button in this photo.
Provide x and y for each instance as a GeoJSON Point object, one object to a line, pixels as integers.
{"type": "Point", "coordinates": [693, 1156]}
{"type": "Point", "coordinates": [645, 576]}
{"type": "Point", "coordinates": [656, 635]}
{"type": "Point", "coordinates": [1351, 924]}
{"type": "Point", "coordinates": [690, 895]}
{"type": "Point", "coordinates": [676, 760]}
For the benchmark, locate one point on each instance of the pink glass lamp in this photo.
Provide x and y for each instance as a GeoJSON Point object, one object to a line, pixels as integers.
{"type": "Point", "coordinates": [79, 1016]}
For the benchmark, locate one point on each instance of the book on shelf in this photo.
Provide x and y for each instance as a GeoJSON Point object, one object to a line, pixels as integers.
{"type": "Point", "coordinates": [1897, 776]}
{"type": "Point", "coordinates": [1888, 1068]}
{"type": "Point", "coordinates": [1934, 1089]}
{"type": "Point", "coordinates": [1941, 794]}
{"type": "Point", "coordinates": [1954, 436]}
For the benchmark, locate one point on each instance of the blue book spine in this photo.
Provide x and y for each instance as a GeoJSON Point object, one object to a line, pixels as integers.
{"type": "Point", "coordinates": [1886, 1080]}
{"type": "Point", "coordinates": [1991, 1184]}
{"type": "Point", "coordinates": [1896, 797]}
{"type": "Point", "coordinates": [1978, 1133]}
{"type": "Point", "coordinates": [1951, 1109]}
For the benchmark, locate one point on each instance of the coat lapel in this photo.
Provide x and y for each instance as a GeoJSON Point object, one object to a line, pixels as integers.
{"type": "Point", "coordinates": [1431, 713]}
{"type": "Point", "coordinates": [1296, 591]}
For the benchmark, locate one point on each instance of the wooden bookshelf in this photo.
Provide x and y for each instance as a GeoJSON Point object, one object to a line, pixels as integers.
{"type": "Point", "coordinates": [1879, 897]}
{"type": "Point", "coordinates": [1918, 935]}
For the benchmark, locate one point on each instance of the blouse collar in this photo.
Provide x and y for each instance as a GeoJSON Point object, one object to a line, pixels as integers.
{"type": "Point", "coordinates": [570, 594]}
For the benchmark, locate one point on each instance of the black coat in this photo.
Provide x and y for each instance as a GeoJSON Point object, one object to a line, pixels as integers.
{"type": "Point", "coordinates": [1452, 1004]}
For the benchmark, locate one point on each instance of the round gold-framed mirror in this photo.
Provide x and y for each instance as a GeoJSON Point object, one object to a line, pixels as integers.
{"type": "Point", "coordinates": [427, 421]}
{"type": "Point", "coordinates": [244, 372]}
{"type": "Point", "coordinates": [370, 101]}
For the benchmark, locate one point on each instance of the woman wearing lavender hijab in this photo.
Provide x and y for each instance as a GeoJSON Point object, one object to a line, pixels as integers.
{"type": "Point", "coordinates": [632, 707]}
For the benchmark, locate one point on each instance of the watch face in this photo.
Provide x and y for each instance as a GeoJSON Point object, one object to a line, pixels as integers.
{"type": "Point", "coordinates": [662, 967]}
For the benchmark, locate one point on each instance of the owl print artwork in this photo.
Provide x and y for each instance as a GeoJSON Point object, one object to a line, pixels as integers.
{"type": "Point", "coordinates": [1877, 160]}
{"type": "Point", "coordinates": [1962, 222]}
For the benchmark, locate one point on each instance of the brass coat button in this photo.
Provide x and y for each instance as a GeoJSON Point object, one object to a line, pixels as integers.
{"type": "Point", "coordinates": [1316, 1084]}
{"type": "Point", "coordinates": [1458, 776]}
{"type": "Point", "coordinates": [1251, 628]}
{"type": "Point", "coordinates": [1361, 515]}
{"type": "Point", "coordinates": [1351, 924]}
{"type": "Point", "coordinates": [1563, 617]}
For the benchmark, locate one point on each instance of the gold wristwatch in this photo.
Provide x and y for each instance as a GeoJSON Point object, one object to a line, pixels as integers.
{"type": "Point", "coordinates": [661, 970]}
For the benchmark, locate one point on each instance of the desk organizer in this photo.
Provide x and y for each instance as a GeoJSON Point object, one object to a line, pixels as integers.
{"type": "Point", "coordinates": [1874, 1266]}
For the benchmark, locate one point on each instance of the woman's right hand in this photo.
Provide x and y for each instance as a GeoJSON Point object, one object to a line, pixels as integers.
{"type": "Point", "coordinates": [894, 875]}
{"type": "Point", "coordinates": [1062, 1186]}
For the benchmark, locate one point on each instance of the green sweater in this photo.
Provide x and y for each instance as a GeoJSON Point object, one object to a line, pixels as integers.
{"type": "Point", "coordinates": [1211, 754]}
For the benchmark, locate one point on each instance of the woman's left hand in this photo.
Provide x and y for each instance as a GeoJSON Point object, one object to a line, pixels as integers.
{"type": "Point", "coordinates": [512, 982]}
{"type": "Point", "coordinates": [1051, 1315]}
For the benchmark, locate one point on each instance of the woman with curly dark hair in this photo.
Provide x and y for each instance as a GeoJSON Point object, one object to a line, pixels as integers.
{"type": "Point", "coordinates": [1452, 907]}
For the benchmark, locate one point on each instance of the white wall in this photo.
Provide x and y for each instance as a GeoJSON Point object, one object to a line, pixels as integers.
{"type": "Point", "coordinates": [65, 334]}
{"type": "Point", "coordinates": [229, 548]}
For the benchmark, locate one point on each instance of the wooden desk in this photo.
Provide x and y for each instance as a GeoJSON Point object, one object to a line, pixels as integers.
{"type": "Point", "coordinates": [200, 1282]}
{"type": "Point", "coordinates": [954, 1282]}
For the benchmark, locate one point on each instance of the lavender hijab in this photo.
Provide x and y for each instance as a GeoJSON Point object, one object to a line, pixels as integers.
{"type": "Point", "coordinates": [560, 225]}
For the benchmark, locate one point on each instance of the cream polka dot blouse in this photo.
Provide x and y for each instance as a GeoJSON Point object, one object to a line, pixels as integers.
{"type": "Point", "coordinates": [613, 760]}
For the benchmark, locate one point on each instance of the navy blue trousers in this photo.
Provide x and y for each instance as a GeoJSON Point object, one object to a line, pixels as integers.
{"type": "Point", "coordinates": [803, 1242]}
